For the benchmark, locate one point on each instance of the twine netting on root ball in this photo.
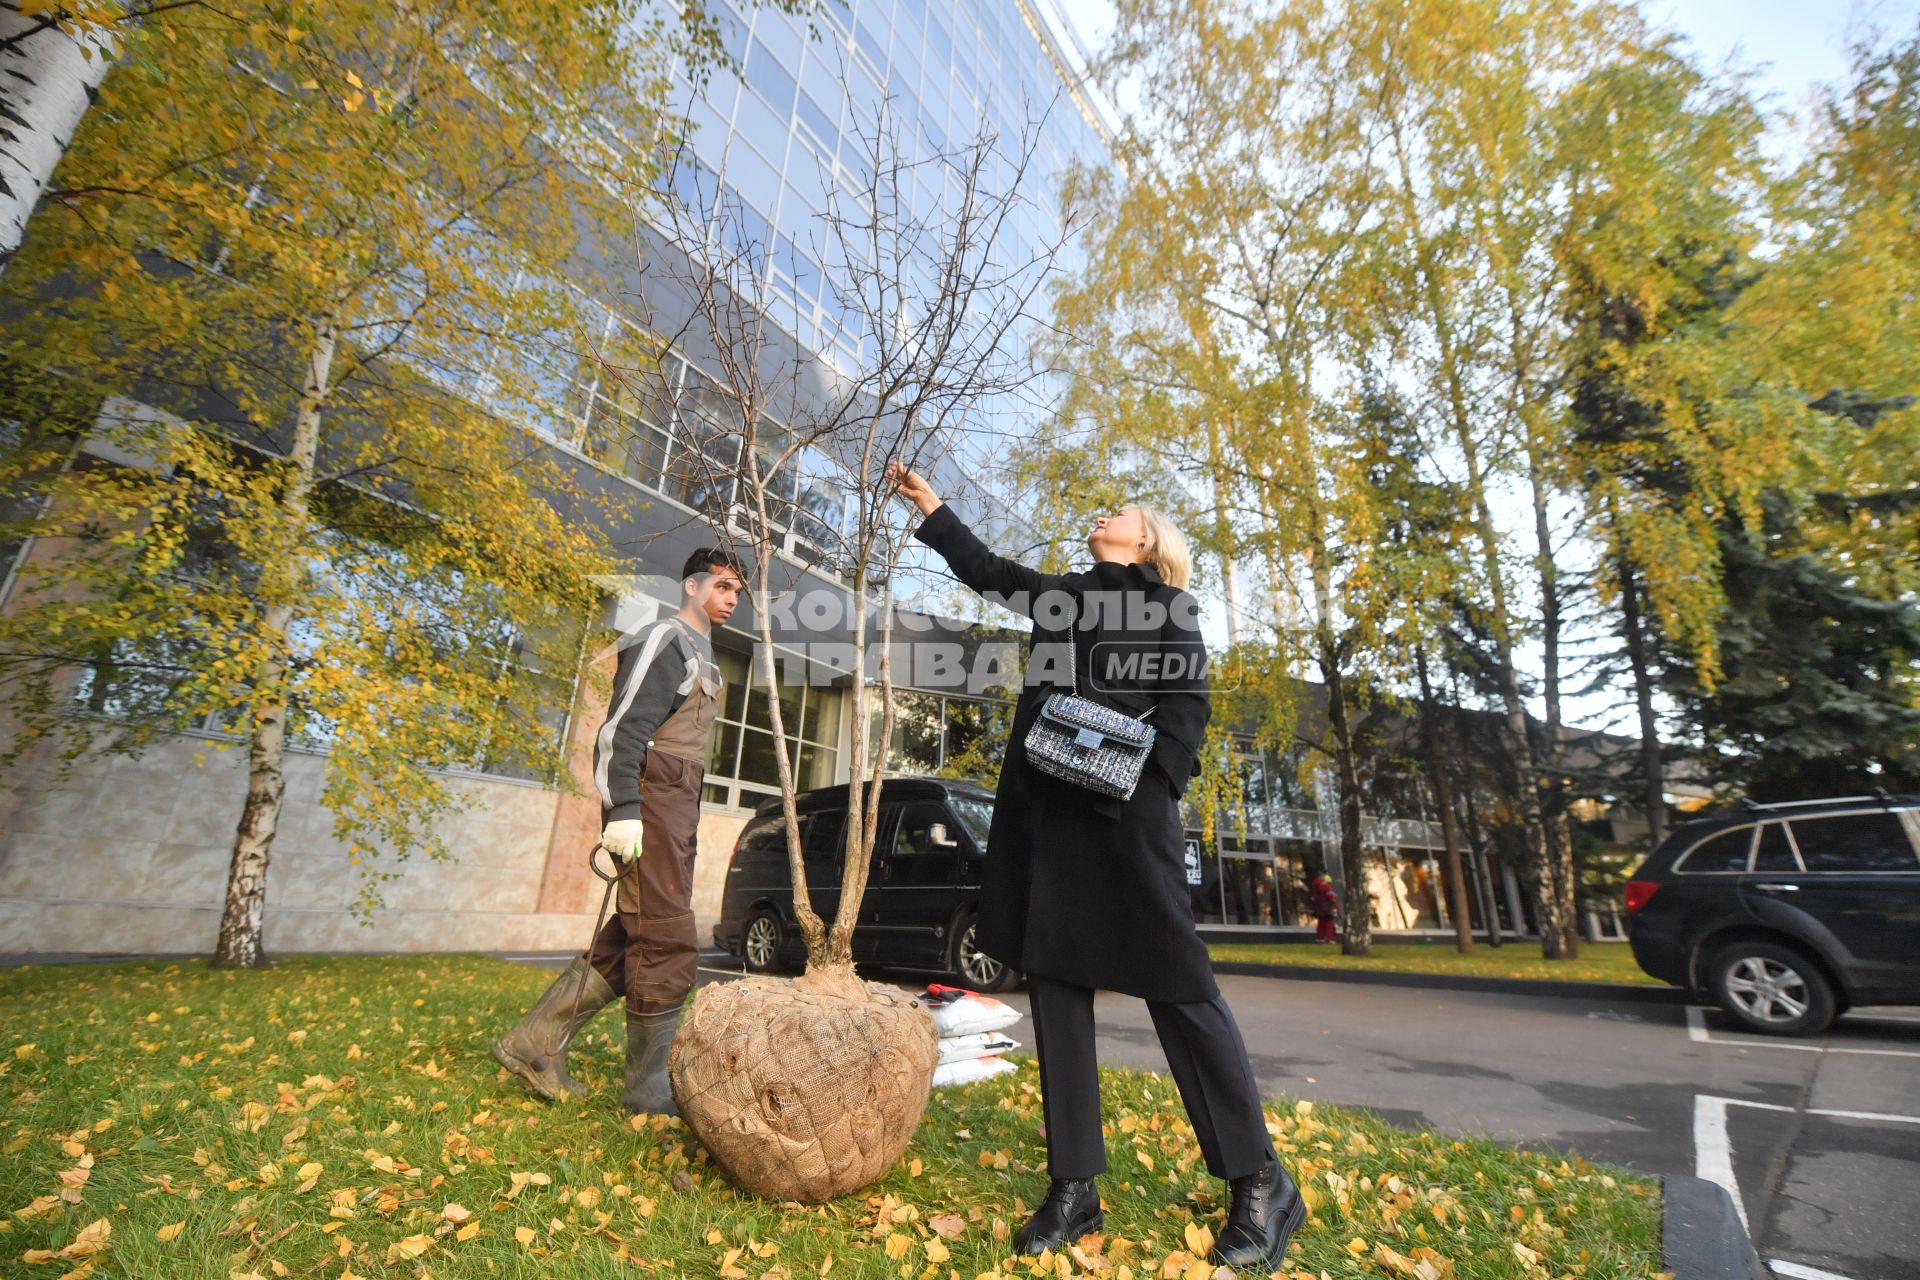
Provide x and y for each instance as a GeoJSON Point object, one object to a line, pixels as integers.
{"type": "Point", "coordinates": [806, 1089]}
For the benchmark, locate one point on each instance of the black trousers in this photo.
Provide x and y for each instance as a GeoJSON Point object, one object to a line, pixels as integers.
{"type": "Point", "coordinates": [1209, 1060]}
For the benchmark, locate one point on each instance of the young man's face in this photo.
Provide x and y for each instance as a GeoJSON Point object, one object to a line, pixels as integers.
{"type": "Point", "coordinates": [717, 592]}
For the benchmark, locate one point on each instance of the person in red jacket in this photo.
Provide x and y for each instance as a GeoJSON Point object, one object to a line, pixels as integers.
{"type": "Point", "coordinates": [1326, 907]}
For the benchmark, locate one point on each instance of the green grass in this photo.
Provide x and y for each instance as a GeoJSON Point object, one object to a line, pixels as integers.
{"type": "Point", "coordinates": [1597, 961]}
{"type": "Point", "coordinates": [318, 1119]}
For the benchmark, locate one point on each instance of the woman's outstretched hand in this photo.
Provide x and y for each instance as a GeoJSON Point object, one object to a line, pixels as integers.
{"type": "Point", "coordinates": [912, 486]}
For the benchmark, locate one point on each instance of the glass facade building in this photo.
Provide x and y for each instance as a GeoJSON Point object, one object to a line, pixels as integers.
{"type": "Point", "coordinates": [795, 127]}
{"type": "Point", "coordinates": [766, 150]}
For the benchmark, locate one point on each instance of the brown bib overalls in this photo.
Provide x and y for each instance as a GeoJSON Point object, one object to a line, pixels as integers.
{"type": "Point", "coordinates": [648, 950]}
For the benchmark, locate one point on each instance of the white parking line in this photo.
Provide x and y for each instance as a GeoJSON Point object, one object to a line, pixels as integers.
{"type": "Point", "coordinates": [1801, 1271]}
{"type": "Point", "coordinates": [1698, 1033]}
{"type": "Point", "coordinates": [1713, 1149]}
{"type": "Point", "coordinates": [1881, 1116]}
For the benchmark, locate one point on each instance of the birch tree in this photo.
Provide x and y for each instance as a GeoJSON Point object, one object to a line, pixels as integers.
{"type": "Point", "coordinates": [313, 279]}
{"type": "Point", "coordinates": [52, 59]}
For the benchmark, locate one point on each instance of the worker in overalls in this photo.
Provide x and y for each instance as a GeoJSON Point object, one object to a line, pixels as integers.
{"type": "Point", "coordinates": [648, 763]}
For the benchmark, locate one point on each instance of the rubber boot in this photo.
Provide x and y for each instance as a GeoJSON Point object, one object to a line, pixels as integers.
{"type": "Point", "coordinates": [536, 1050]}
{"type": "Point", "coordinates": [649, 1037]}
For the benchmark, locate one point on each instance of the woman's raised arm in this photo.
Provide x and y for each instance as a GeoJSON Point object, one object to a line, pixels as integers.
{"type": "Point", "coordinates": [1006, 581]}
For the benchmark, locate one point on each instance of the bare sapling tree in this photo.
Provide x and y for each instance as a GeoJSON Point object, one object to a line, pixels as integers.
{"type": "Point", "coordinates": [931, 297]}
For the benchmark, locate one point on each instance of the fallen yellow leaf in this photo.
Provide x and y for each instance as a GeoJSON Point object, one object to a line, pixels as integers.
{"type": "Point", "coordinates": [523, 1234]}
{"type": "Point", "coordinates": [1397, 1263]}
{"type": "Point", "coordinates": [411, 1247]}
{"type": "Point", "coordinates": [169, 1231]}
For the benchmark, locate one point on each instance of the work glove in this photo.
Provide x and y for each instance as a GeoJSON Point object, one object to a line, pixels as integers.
{"type": "Point", "coordinates": [622, 839]}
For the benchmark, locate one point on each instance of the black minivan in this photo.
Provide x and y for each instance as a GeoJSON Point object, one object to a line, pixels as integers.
{"type": "Point", "coordinates": [1786, 914]}
{"type": "Point", "coordinates": [923, 889]}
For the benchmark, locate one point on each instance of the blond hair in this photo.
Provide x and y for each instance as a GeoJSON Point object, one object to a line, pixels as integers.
{"type": "Point", "coordinates": [1167, 548]}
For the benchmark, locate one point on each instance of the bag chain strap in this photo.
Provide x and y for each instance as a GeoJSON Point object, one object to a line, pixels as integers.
{"type": "Point", "coordinates": [1073, 672]}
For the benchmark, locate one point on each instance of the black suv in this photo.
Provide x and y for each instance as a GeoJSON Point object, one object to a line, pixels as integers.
{"type": "Point", "coordinates": [1786, 914]}
{"type": "Point", "coordinates": [923, 889]}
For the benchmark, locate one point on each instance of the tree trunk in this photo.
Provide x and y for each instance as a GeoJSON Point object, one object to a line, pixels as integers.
{"type": "Point", "coordinates": [1223, 533]}
{"type": "Point", "coordinates": [1483, 872]}
{"type": "Point", "coordinates": [1555, 935]}
{"type": "Point", "coordinates": [1283, 613]}
{"type": "Point", "coordinates": [47, 81]}
{"type": "Point", "coordinates": [1652, 766]}
{"type": "Point", "coordinates": [1560, 881]}
{"type": "Point", "coordinates": [241, 920]}
{"type": "Point", "coordinates": [1443, 800]}
{"type": "Point", "coordinates": [1356, 915]}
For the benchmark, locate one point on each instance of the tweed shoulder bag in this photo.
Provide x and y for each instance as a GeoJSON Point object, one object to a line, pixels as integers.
{"type": "Point", "coordinates": [1079, 741]}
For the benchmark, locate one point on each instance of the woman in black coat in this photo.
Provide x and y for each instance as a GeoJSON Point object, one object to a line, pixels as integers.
{"type": "Point", "coordinates": [1084, 892]}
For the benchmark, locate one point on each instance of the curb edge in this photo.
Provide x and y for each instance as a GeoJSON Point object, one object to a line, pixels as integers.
{"type": "Point", "coordinates": [1642, 994]}
{"type": "Point", "coordinates": [1700, 1234]}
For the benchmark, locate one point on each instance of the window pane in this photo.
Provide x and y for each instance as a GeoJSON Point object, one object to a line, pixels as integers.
{"type": "Point", "coordinates": [769, 79]}
{"type": "Point", "coordinates": [816, 766]}
{"type": "Point", "coordinates": [914, 834]}
{"type": "Point", "coordinates": [764, 835]}
{"type": "Point", "coordinates": [1854, 842]}
{"type": "Point", "coordinates": [822, 722]}
{"type": "Point", "coordinates": [823, 836]}
{"type": "Point", "coordinates": [825, 129]}
{"type": "Point", "coordinates": [1726, 851]}
{"type": "Point", "coordinates": [1775, 851]}
{"type": "Point", "coordinates": [757, 762]}
{"type": "Point", "coordinates": [734, 670]}
{"type": "Point", "coordinates": [917, 721]}
{"type": "Point", "coordinates": [790, 708]}
{"type": "Point", "coordinates": [976, 742]}
{"type": "Point", "coordinates": [977, 814]}
{"type": "Point", "coordinates": [725, 749]}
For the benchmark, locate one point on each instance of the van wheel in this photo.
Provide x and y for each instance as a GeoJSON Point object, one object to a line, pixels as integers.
{"type": "Point", "coordinates": [1771, 989]}
{"type": "Point", "coordinates": [760, 944]}
{"type": "Point", "coordinates": [973, 968]}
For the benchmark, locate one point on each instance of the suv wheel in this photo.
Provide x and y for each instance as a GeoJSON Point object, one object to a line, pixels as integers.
{"type": "Point", "coordinates": [1772, 989]}
{"type": "Point", "coordinates": [973, 967]}
{"type": "Point", "coordinates": [760, 944]}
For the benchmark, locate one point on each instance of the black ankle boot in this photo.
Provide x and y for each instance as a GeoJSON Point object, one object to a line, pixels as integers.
{"type": "Point", "coordinates": [1071, 1210]}
{"type": "Point", "coordinates": [1266, 1210]}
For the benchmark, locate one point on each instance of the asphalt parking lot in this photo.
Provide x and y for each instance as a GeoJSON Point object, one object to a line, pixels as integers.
{"type": "Point", "coordinates": [1819, 1140]}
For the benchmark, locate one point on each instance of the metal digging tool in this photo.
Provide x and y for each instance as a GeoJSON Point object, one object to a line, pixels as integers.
{"type": "Point", "coordinates": [610, 878]}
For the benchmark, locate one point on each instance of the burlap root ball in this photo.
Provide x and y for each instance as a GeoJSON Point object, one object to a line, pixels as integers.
{"type": "Point", "coordinates": [803, 1089]}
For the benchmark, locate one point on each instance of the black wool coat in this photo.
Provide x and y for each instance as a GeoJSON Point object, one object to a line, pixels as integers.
{"type": "Point", "coordinates": [1080, 887]}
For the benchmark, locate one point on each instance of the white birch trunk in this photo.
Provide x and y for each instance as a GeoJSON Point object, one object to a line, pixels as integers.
{"type": "Point", "coordinates": [241, 922]}
{"type": "Point", "coordinates": [47, 82]}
